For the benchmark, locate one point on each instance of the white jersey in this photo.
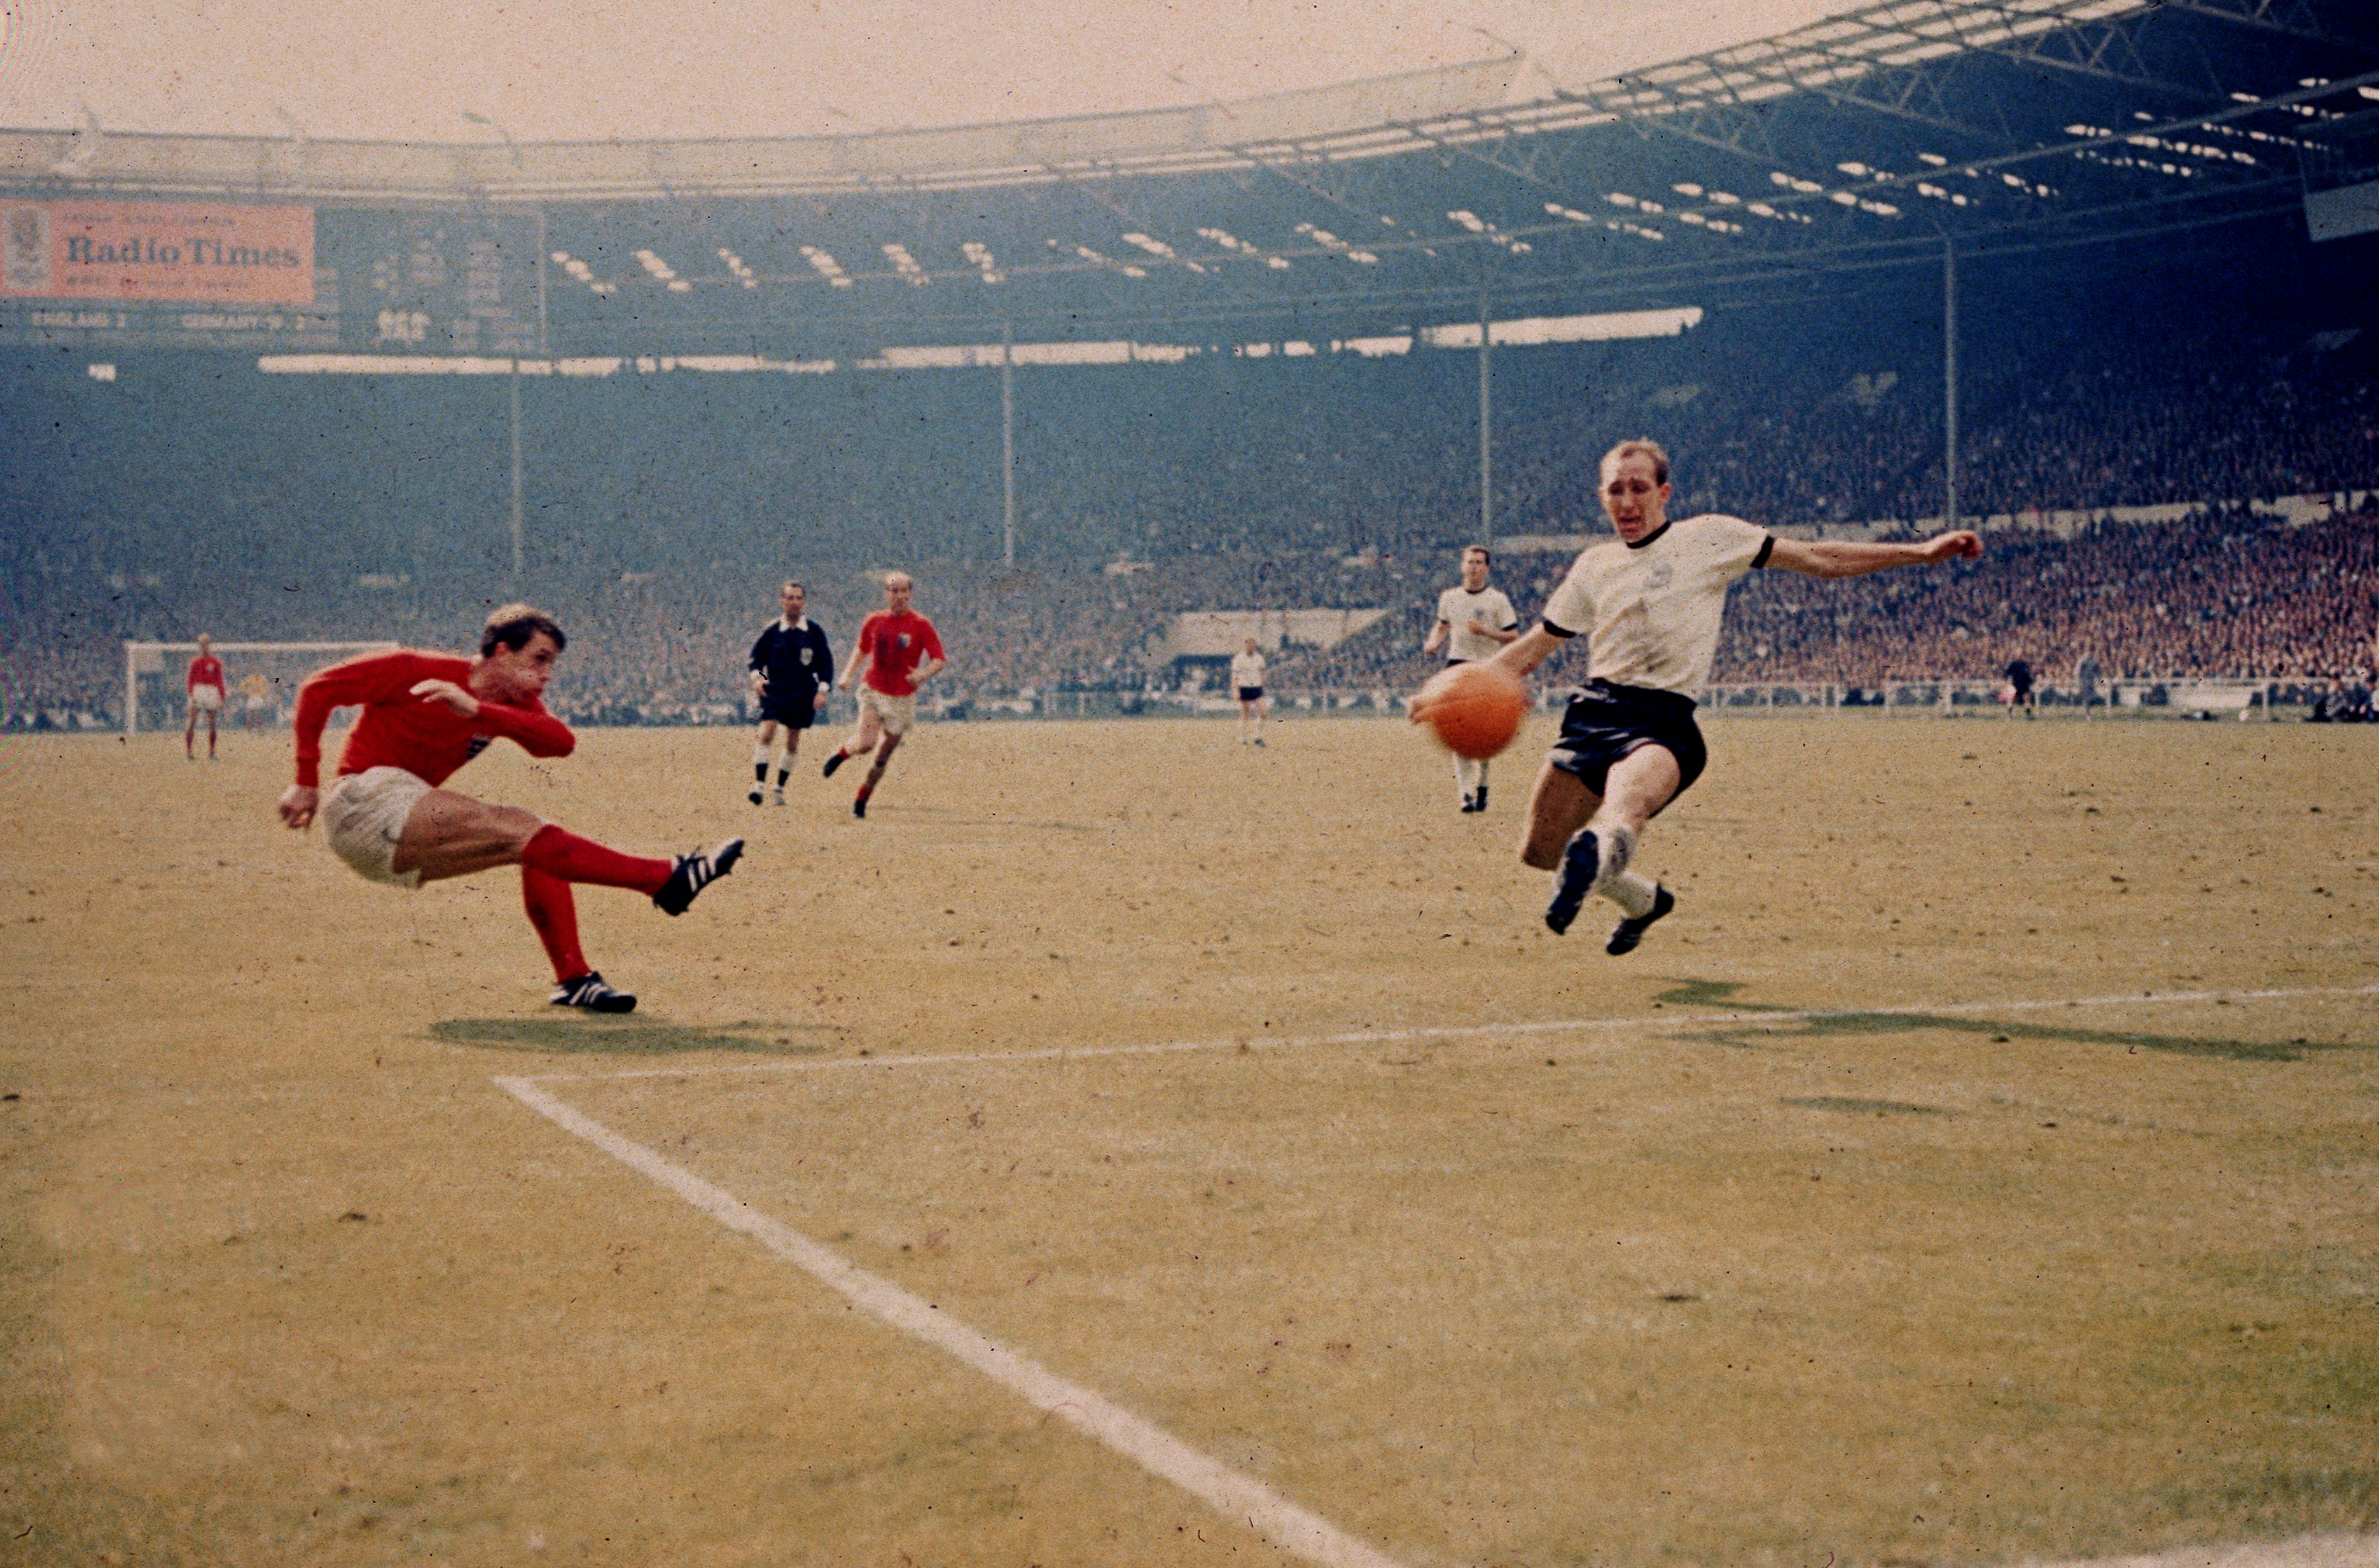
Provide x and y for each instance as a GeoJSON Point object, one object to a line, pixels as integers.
{"type": "Point", "coordinates": [1462, 611]}
{"type": "Point", "coordinates": [1246, 669]}
{"type": "Point", "coordinates": [1651, 611]}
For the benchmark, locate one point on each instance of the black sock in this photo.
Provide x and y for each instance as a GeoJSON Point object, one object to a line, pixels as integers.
{"type": "Point", "coordinates": [760, 773]}
{"type": "Point", "coordinates": [783, 774]}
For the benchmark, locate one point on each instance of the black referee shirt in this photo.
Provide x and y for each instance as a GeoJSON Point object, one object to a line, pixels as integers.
{"type": "Point", "coordinates": [795, 662]}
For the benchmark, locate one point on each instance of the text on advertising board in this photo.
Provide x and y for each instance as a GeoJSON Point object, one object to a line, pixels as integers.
{"type": "Point", "coordinates": [154, 250]}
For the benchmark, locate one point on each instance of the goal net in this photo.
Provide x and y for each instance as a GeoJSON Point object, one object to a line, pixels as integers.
{"type": "Point", "coordinates": [260, 680]}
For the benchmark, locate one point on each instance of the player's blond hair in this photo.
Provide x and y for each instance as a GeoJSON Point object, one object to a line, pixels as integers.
{"type": "Point", "coordinates": [1641, 446]}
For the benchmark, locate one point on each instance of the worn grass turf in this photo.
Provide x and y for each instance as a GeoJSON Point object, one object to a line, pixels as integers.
{"type": "Point", "coordinates": [1826, 1238]}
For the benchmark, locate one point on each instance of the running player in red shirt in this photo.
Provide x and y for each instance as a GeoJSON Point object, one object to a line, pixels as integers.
{"type": "Point", "coordinates": [424, 716]}
{"type": "Point", "coordinates": [206, 690]}
{"type": "Point", "coordinates": [899, 651]}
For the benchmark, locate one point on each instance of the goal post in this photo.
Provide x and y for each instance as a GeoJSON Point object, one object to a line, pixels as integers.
{"type": "Point", "coordinates": [260, 680]}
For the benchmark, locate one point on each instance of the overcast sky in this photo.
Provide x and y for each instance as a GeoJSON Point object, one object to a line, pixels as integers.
{"type": "Point", "coordinates": [580, 69]}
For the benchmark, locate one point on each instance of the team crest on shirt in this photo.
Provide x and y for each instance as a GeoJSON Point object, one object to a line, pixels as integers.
{"type": "Point", "coordinates": [902, 640]}
{"type": "Point", "coordinates": [1658, 578]}
{"type": "Point", "coordinates": [805, 655]}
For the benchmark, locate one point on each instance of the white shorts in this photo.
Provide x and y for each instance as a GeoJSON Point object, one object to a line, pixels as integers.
{"type": "Point", "coordinates": [363, 815]}
{"type": "Point", "coordinates": [899, 713]}
{"type": "Point", "coordinates": [205, 699]}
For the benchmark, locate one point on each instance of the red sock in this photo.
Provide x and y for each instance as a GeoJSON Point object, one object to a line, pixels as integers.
{"type": "Point", "coordinates": [554, 912]}
{"type": "Point", "coordinates": [865, 791]}
{"type": "Point", "coordinates": [563, 854]}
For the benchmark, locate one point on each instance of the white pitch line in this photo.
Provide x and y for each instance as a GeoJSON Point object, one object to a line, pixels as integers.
{"type": "Point", "coordinates": [1229, 1494]}
{"type": "Point", "coordinates": [2301, 1552]}
{"type": "Point", "coordinates": [1451, 1032]}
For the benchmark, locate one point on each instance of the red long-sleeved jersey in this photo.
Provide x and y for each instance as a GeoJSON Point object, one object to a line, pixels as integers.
{"type": "Point", "coordinates": [398, 729]}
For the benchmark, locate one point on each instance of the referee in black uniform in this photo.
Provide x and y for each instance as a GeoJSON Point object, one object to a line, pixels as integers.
{"type": "Point", "coordinates": [793, 669]}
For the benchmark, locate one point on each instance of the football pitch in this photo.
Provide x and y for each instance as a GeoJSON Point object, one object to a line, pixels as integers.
{"type": "Point", "coordinates": [1126, 1147]}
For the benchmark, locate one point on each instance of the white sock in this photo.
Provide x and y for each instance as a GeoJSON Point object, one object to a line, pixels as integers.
{"type": "Point", "coordinates": [1464, 771]}
{"type": "Point", "coordinates": [759, 753]}
{"type": "Point", "coordinates": [1631, 893]}
{"type": "Point", "coordinates": [1478, 773]}
{"type": "Point", "coordinates": [1614, 846]}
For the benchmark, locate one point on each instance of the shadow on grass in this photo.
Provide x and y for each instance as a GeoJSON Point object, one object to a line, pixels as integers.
{"type": "Point", "coordinates": [1749, 1033]}
{"type": "Point", "coordinates": [1866, 1107]}
{"type": "Point", "coordinates": [629, 1036]}
{"type": "Point", "coordinates": [1714, 994]}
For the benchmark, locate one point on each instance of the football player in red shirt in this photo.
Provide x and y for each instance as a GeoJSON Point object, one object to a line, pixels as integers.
{"type": "Point", "coordinates": [899, 650]}
{"type": "Point", "coordinates": [206, 688]}
{"type": "Point", "coordinates": [424, 716]}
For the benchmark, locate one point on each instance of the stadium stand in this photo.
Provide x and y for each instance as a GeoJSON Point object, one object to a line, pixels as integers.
{"type": "Point", "coordinates": [194, 493]}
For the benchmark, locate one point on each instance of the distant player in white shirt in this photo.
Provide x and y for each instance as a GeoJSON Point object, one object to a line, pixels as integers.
{"type": "Point", "coordinates": [1247, 679]}
{"type": "Point", "coordinates": [1649, 603]}
{"type": "Point", "coordinates": [1474, 622]}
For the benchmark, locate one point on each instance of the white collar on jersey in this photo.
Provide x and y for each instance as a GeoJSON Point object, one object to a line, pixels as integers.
{"type": "Point", "coordinates": [785, 625]}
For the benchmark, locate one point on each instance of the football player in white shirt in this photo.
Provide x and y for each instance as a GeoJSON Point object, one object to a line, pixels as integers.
{"type": "Point", "coordinates": [1247, 679]}
{"type": "Point", "coordinates": [1649, 603]}
{"type": "Point", "coordinates": [1473, 621]}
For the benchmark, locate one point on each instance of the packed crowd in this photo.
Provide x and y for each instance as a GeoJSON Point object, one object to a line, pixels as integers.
{"type": "Point", "coordinates": [2222, 594]}
{"type": "Point", "coordinates": [661, 509]}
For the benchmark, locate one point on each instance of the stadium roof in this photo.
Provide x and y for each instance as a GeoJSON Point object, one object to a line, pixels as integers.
{"type": "Point", "coordinates": [1872, 139]}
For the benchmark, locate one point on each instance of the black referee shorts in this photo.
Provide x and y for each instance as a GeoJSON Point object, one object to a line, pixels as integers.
{"type": "Point", "coordinates": [1605, 722]}
{"type": "Point", "coordinates": [795, 709]}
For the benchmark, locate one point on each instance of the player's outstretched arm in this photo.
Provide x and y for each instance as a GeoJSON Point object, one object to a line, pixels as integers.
{"type": "Point", "coordinates": [1530, 648]}
{"type": "Point", "coordinates": [1843, 558]}
{"type": "Point", "coordinates": [1436, 639]}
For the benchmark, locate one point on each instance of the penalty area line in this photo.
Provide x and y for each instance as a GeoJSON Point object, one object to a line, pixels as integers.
{"type": "Point", "coordinates": [1235, 1495]}
{"type": "Point", "coordinates": [1452, 1032]}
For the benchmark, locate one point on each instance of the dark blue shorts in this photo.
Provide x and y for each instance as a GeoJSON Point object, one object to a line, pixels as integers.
{"type": "Point", "coordinates": [794, 710]}
{"type": "Point", "coordinates": [1605, 722]}
{"type": "Point", "coordinates": [1251, 693]}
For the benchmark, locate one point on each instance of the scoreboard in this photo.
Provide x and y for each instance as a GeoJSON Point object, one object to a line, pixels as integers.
{"type": "Point", "coordinates": [441, 284]}
{"type": "Point", "coordinates": [274, 279]}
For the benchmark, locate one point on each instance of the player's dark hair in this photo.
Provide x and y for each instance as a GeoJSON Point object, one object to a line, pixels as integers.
{"type": "Point", "coordinates": [1469, 551]}
{"type": "Point", "coordinates": [512, 625]}
{"type": "Point", "coordinates": [789, 583]}
{"type": "Point", "coordinates": [1642, 446]}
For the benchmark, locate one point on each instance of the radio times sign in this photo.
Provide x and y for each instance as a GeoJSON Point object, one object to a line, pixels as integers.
{"type": "Point", "coordinates": [270, 279]}
{"type": "Point", "coordinates": [159, 252]}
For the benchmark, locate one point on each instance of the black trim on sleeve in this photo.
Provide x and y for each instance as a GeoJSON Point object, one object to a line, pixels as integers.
{"type": "Point", "coordinates": [1562, 632]}
{"type": "Point", "coordinates": [1767, 549]}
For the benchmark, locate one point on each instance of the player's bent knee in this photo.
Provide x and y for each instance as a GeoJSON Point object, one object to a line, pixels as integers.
{"type": "Point", "coordinates": [512, 826]}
